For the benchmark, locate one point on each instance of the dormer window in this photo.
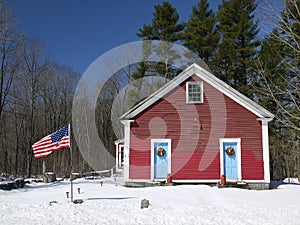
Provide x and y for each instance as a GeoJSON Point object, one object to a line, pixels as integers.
{"type": "Point", "coordinates": [194, 92]}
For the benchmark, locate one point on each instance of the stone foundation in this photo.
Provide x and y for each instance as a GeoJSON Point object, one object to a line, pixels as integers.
{"type": "Point", "coordinates": [259, 186]}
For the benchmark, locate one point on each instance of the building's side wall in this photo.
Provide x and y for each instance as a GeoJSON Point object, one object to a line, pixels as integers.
{"type": "Point", "coordinates": [195, 130]}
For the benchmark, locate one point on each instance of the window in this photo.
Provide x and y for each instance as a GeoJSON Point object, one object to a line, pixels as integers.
{"type": "Point", "coordinates": [194, 92]}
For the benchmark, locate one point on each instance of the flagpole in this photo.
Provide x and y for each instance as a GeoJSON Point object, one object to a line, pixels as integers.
{"type": "Point", "coordinates": [44, 167]}
{"type": "Point", "coordinates": [71, 157]}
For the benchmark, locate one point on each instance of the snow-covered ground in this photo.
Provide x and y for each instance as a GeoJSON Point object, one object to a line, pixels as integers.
{"type": "Point", "coordinates": [115, 204]}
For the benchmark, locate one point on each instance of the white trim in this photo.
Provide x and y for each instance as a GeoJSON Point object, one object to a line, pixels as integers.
{"type": "Point", "coordinates": [126, 124]}
{"type": "Point", "coordinates": [235, 95]}
{"type": "Point", "coordinates": [214, 181]}
{"type": "Point", "coordinates": [265, 146]}
{"type": "Point", "coordinates": [119, 166]}
{"type": "Point", "coordinates": [207, 77]}
{"type": "Point", "coordinates": [168, 140]}
{"type": "Point", "coordinates": [239, 156]}
{"type": "Point", "coordinates": [119, 141]}
{"type": "Point", "coordinates": [139, 180]}
{"type": "Point", "coordinates": [187, 92]}
{"type": "Point", "coordinates": [255, 181]}
{"type": "Point", "coordinates": [118, 159]}
{"type": "Point", "coordinates": [196, 181]}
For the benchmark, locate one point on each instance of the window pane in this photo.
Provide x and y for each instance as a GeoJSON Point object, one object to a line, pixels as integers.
{"type": "Point", "coordinates": [194, 92]}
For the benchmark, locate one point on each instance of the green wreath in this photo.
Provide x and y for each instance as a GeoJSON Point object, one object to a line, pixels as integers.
{"type": "Point", "coordinates": [230, 151]}
{"type": "Point", "coordinates": [161, 152]}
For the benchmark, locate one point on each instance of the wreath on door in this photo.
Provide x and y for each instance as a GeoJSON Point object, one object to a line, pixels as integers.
{"type": "Point", "coordinates": [230, 151]}
{"type": "Point", "coordinates": [161, 152]}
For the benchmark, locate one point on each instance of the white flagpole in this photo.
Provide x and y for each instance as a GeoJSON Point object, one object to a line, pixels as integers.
{"type": "Point", "coordinates": [71, 157]}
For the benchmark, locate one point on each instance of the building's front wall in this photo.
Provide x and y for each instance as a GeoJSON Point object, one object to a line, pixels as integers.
{"type": "Point", "coordinates": [195, 131]}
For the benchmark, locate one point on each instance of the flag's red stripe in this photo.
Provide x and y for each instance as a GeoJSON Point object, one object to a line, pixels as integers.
{"type": "Point", "coordinates": [42, 141]}
{"type": "Point", "coordinates": [49, 143]}
{"type": "Point", "coordinates": [42, 154]}
{"type": "Point", "coordinates": [45, 147]}
{"type": "Point", "coordinates": [52, 146]}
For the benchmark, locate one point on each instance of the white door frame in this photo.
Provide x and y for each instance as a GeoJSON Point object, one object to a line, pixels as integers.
{"type": "Point", "coordinates": [239, 156]}
{"type": "Point", "coordinates": [168, 140]}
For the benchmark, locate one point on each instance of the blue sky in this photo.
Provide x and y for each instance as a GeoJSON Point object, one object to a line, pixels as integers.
{"type": "Point", "coordinates": [77, 32]}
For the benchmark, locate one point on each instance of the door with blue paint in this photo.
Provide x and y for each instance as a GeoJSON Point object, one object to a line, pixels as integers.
{"type": "Point", "coordinates": [161, 159]}
{"type": "Point", "coordinates": [230, 160]}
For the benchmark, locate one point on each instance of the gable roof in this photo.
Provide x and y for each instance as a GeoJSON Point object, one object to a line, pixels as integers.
{"type": "Point", "coordinates": [209, 78]}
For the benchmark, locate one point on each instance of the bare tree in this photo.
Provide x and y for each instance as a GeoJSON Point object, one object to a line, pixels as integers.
{"type": "Point", "coordinates": [278, 83]}
{"type": "Point", "coordinates": [33, 68]}
{"type": "Point", "coordinates": [9, 60]}
{"type": "Point", "coordinates": [286, 33]}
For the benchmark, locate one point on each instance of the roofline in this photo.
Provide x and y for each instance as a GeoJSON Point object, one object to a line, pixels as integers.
{"type": "Point", "coordinates": [208, 77]}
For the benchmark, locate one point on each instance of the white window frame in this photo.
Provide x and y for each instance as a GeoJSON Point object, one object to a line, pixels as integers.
{"type": "Point", "coordinates": [187, 92]}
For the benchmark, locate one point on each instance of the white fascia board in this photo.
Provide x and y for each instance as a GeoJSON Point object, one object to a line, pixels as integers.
{"type": "Point", "coordinates": [208, 77]}
{"type": "Point", "coordinates": [232, 93]}
{"type": "Point", "coordinates": [160, 93]}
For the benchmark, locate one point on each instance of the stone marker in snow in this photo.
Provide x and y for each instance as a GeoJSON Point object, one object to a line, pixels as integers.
{"type": "Point", "coordinates": [145, 203]}
{"type": "Point", "coordinates": [78, 201]}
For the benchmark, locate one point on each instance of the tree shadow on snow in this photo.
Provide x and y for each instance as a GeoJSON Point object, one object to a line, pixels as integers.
{"type": "Point", "coordinates": [276, 183]}
{"type": "Point", "coordinates": [112, 198]}
{"type": "Point", "coordinates": [46, 185]}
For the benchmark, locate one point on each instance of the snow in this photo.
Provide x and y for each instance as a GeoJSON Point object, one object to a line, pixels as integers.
{"type": "Point", "coordinates": [113, 203]}
{"type": "Point", "coordinates": [291, 180]}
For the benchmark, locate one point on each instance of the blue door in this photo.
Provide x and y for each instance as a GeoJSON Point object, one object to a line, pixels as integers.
{"type": "Point", "coordinates": [161, 160]}
{"type": "Point", "coordinates": [230, 160]}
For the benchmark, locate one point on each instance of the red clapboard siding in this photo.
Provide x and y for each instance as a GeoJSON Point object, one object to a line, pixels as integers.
{"type": "Point", "coordinates": [190, 170]}
{"type": "Point", "coordinates": [244, 124]}
{"type": "Point", "coordinates": [193, 131]}
{"type": "Point", "coordinates": [252, 169]}
{"type": "Point", "coordinates": [139, 167]}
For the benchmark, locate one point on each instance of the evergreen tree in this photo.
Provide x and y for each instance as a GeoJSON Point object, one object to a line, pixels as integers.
{"type": "Point", "coordinates": [273, 90]}
{"type": "Point", "coordinates": [201, 35]}
{"type": "Point", "coordinates": [165, 24]}
{"type": "Point", "coordinates": [289, 106]}
{"type": "Point", "coordinates": [291, 17]}
{"type": "Point", "coordinates": [278, 83]}
{"type": "Point", "coordinates": [232, 62]}
{"type": "Point", "coordinates": [271, 79]}
{"type": "Point", "coordinates": [165, 27]}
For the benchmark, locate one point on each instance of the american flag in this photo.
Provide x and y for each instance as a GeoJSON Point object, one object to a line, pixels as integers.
{"type": "Point", "coordinates": [52, 142]}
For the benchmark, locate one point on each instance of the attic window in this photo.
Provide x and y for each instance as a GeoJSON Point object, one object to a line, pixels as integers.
{"type": "Point", "coordinates": [194, 92]}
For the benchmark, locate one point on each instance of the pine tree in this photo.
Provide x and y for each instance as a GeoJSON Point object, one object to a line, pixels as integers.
{"type": "Point", "coordinates": [289, 36]}
{"type": "Point", "coordinates": [271, 79]}
{"type": "Point", "coordinates": [165, 24]}
{"type": "Point", "coordinates": [291, 16]}
{"type": "Point", "coordinates": [269, 85]}
{"type": "Point", "coordinates": [232, 62]}
{"type": "Point", "coordinates": [201, 35]}
{"type": "Point", "coordinates": [165, 27]}
{"type": "Point", "coordinates": [278, 83]}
